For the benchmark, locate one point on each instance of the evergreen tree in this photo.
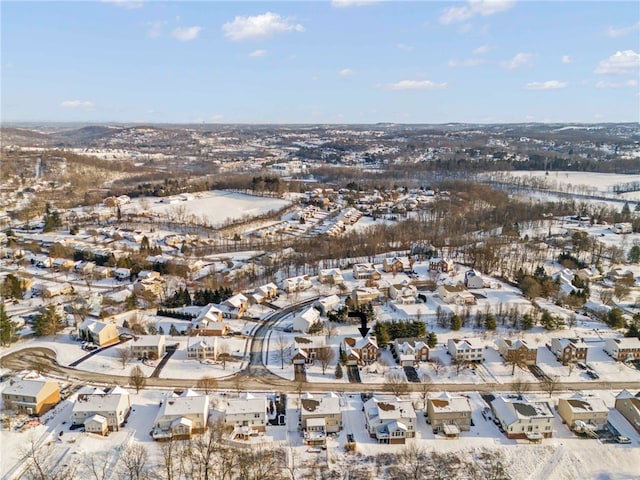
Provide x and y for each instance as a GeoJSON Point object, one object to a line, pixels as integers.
{"type": "Point", "coordinates": [548, 321]}
{"type": "Point", "coordinates": [490, 322]}
{"type": "Point", "coordinates": [7, 327]}
{"type": "Point", "coordinates": [456, 323]}
{"type": "Point", "coordinates": [173, 331]}
{"type": "Point", "coordinates": [527, 322]}
{"type": "Point", "coordinates": [432, 340]}
{"type": "Point", "coordinates": [615, 318]}
{"type": "Point", "coordinates": [49, 322]}
{"type": "Point", "coordinates": [338, 371]}
{"type": "Point", "coordinates": [131, 303]}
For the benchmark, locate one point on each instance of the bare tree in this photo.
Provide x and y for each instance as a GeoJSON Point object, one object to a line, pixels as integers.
{"type": "Point", "coordinates": [281, 345]}
{"type": "Point", "coordinates": [98, 464]}
{"type": "Point", "coordinates": [207, 383]}
{"type": "Point", "coordinates": [606, 295]}
{"type": "Point", "coordinates": [330, 329]}
{"type": "Point", "coordinates": [426, 387]}
{"type": "Point", "coordinates": [396, 383]}
{"type": "Point", "coordinates": [438, 365]}
{"type": "Point", "coordinates": [124, 356]}
{"type": "Point", "coordinates": [520, 386]}
{"type": "Point", "coordinates": [39, 460]}
{"type": "Point", "coordinates": [223, 355]}
{"type": "Point", "coordinates": [137, 378]}
{"type": "Point", "coordinates": [550, 384]}
{"type": "Point", "coordinates": [134, 460]}
{"type": "Point", "coordinates": [173, 453]}
{"type": "Point", "coordinates": [488, 465]}
{"type": "Point", "coordinates": [325, 355]}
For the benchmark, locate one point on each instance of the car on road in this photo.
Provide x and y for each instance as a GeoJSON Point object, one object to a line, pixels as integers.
{"type": "Point", "coordinates": [621, 439]}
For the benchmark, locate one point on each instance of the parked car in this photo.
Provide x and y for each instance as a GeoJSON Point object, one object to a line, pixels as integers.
{"type": "Point", "coordinates": [621, 439]}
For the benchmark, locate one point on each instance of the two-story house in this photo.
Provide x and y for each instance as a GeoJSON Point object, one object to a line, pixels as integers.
{"type": "Point", "coordinates": [362, 271]}
{"type": "Point", "coordinates": [523, 419]}
{"type": "Point", "coordinates": [360, 351]}
{"type": "Point", "coordinates": [151, 347]}
{"type": "Point", "coordinates": [449, 414]}
{"type": "Point", "coordinates": [247, 415]}
{"type": "Point", "coordinates": [111, 408]}
{"type": "Point", "coordinates": [568, 350]}
{"type": "Point", "coordinates": [180, 416]}
{"type": "Point", "coordinates": [628, 405]}
{"type": "Point", "coordinates": [100, 333]}
{"type": "Point", "coordinates": [444, 265]}
{"type": "Point", "coordinates": [209, 322]}
{"type": "Point", "coordinates": [455, 295]}
{"type": "Point", "coordinates": [465, 350]}
{"type": "Point", "coordinates": [517, 351]}
{"type": "Point", "coordinates": [407, 352]}
{"type": "Point", "coordinates": [389, 419]}
{"type": "Point", "coordinates": [580, 412]}
{"type": "Point", "coordinates": [623, 349]}
{"type": "Point", "coordinates": [319, 416]}
{"type": "Point", "coordinates": [34, 397]}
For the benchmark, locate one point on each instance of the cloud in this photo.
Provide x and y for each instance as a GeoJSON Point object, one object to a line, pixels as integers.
{"type": "Point", "coordinates": [474, 7]}
{"type": "Point", "coordinates": [126, 4]}
{"type": "Point", "coordinates": [155, 29]}
{"type": "Point", "coordinates": [469, 62]}
{"type": "Point", "coordinates": [346, 72]}
{"type": "Point", "coordinates": [482, 49]}
{"type": "Point", "coordinates": [259, 26]}
{"type": "Point", "coordinates": [619, 63]}
{"type": "Point", "coordinates": [414, 85]}
{"type": "Point", "coordinates": [519, 60]}
{"type": "Point", "coordinates": [352, 3]}
{"type": "Point", "coordinates": [548, 85]}
{"type": "Point", "coordinates": [566, 59]}
{"type": "Point", "coordinates": [406, 48]}
{"type": "Point", "coordinates": [258, 53]}
{"type": "Point", "coordinates": [186, 34]}
{"type": "Point", "coordinates": [619, 32]}
{"type": "Point", "coordinates": [86, 105]}
{"type": "Point", "coordinates": [627, 84]}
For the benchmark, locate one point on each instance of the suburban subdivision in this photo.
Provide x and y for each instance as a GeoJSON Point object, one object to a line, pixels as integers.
{"type": "Point", "coordinates": [268, 326]}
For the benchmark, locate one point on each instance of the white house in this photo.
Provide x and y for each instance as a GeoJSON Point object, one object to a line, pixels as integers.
{"type": "Point", "coordinates": [114, 406]}
{"type": "Point", "coordinates": [473, 279]}
{"type": "Point", "coordinates": [209, 322]}
{"type": "Point", "coordinates": [522, 419]}
{"type": "Point", "coordinates": [200, 348]}
{"type": "Point", "coordinates": [465, 350]}
{"type": "Point", "coordinates": [296, 284]}
{"type": "Point", "coordinates": [180, 416]}
{"type": "Point", "coordinates": [389, 419]}
{"type": "Point", "coordinates": [319, 416]}
{"type": "Point", "coordinates": [326, 304]}
{"type": "Point", "coordinates": [247, 414]}
{"type": "Point", "coordinates": [623, 349]}
{"type": "Point", "coordinates": [304, 320]}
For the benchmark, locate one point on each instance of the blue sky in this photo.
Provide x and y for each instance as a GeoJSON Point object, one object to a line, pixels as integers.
{"type": "Point", "coordinates": [341, 61]}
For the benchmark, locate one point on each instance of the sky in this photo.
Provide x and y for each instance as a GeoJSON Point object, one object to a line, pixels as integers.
{"type": "Point", "coordinates": [332, 61]}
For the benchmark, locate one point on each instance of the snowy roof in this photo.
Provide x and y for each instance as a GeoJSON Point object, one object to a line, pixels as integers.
{"type": "Point", "coordinates": [96, 418]}
{"type": "Point", "coordinates": [101, 402]}
{"type": "Point", "coordinates": [512, 410]}
{"type": "Point", "coordinates": [325, 405]}
{"type": "Point", "coordinates": [389, 408]}
{"type": "Point", "coordinates": [249, 404]}
{"type": "Point", "coordinates": [26, 388]}
{"type": "Point", "coordinates": [148, 341]}
{"type": "Point", "coordinates": [183, 405]}
{"type": "Point", "coordinates": [580, 403]}
{"type": "Point", "coordinates": [448, 403]}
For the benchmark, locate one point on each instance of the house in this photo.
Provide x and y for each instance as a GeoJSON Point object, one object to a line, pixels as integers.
{"type": "Point", "coordinates": [181, 416]}
{"type": "Point", "coordinates": [331, 276]}
{"type": "Point", "coordinates": [150, 347]}
{"type": "Point", "coordinates": [34, 397]}
{"type": "Point", "coordinates": [57, 289]}
{"type": "Point", "coordinates": [517, 351]}
{"type": "Point", "coordinates": [235, 306]}
{"type": "Point", "coordinates": [326, 304]}
{"type": "Point", "coordinates": [629, 406]}
{"type": "Point", "coordinates": [200, 348]}
{"type": "Point", "coordinates": [96, 424]}
{"type": "Point", "coordinates": [583, 412]}
{"type": "Point", "coordinates": [389, 419]}
{"type": "Point", "coordinates": [319, 416]}
{"type": "Point", "coordinates": [590, 274]}
{"type": "Point", "coordinates": [449, 414]}
{"type": "Point", "coordinates": [522, 419]}
{"type": "Point", "coordinates": [569, 350]}
{"type": "Point", "coordinates": [305, 349]}
{"type": "Point", "coordinates": [113, 406]}
{"type": "Point", "coordinates": [296, 284]}
{"type": "Point", "coordinates": [409, 351]}
{"type": "Point", "coordinates": [396, 264]}
{"type": "Point", "coordinates": [152, 288]}
{"type": "Point", "coordinates": [362, 271]}
{"type": "Point", "coordinates": [465, 350]}
{"type": "Point", "coordinates": [264, 293]}
{"type": "Point", "coordinates": [247, 415]}
{"type": "Point", "coordinates": [564, 280]}
{"type": "Point", "coordinates": [303, 321]}
{"type": "Point", "coordinates": [473, 279]}
{"type": "Point", "coordinates": [100, 333]}
{"type": "Point", "coordinates": [62, 264]}
{"type": "Point", "coordinates": [122, 274]}
{"type": "Point", "coordinates": [403, 294]}
{"type": "Point", "coordinates": [443, 265]}
{"type": "Point", "coordinates": [360, 351]}
{"type": "Point", "coordinates": [456, 294]}
{"type": "Point", "coordinates": [620, 273]}
{"type": "Point", "coordinates": [363, 295]}
{"type": "Point", "coordinates": [623, 349]}
{"type": "Point", "coordinates": [622, 228]}
{"type": "Point", "coordinates": [209, 322]}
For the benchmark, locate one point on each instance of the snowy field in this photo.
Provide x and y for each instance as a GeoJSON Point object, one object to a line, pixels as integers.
{"type": "Point", "coordinates": [581, 182]}
{"type": "Point", "coordinates": [215, 207]}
